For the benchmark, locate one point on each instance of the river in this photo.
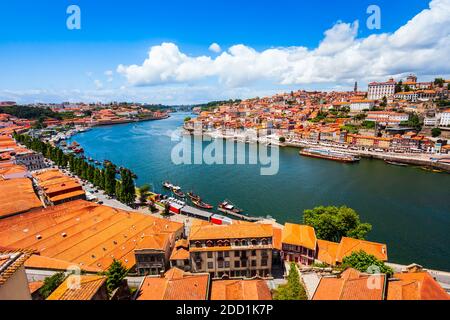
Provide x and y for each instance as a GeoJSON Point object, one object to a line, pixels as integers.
{"type": "Point", "coordinates": [408, 208]}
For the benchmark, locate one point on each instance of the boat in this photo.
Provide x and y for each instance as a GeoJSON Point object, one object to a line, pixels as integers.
{"type": "Point", "coordinates": [202, 205]}
{"type": "Point", "coordinates": [329, 155]}
{"type": "Point", "coordinates": [178, 193]}
{"type": "Point", "coordinates": [78, 150]}
{"type": "Point", "coordinates": [167, 185]}
{"type": "Point", "coordinates": [430, 169]}
{"type": "Point", "coordinates": [394, 163]}
{"type": "Point", "coordinates": [228, 207]}
{"type": "Point", "coordinates": [90, 159]}
{"type": "Point", "coordinates": [97, 162]}
{"type": "Point", "coordinates": [193, 196]}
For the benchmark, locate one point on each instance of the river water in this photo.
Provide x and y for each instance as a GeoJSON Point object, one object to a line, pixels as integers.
{"type": "Point", "coordinates": [409, 208]}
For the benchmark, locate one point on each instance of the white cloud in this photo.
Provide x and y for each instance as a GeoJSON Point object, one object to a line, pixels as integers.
{"type": "Point", "coordinates": [214, 47]}
{"type": "Point", "coordinates": [421, 46]}
{"type": "Point", "coordinates": [109, 75]}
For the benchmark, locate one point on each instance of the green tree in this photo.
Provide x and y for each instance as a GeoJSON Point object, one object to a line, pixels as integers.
{"type": "Point", "coordinates": [333, 223]}
{"type": "Point", "coordinates": [294, 289]}
{"type": "Point", "coordinates": [144, 193]}
{"type": "Point", "coordinates": [115, 275]}
{"type": "Point", "coordinates": [365, 262]}
{"type": "Point", "coordinates": [128, 189]}
{"type": "Point", "coordinates": [187, 119]}
{"type": "Point", "coordinates": [110, 179]}
{"type": "Point", "coordinates": [439, 82]}
{"type": "Point", "coordinates": [436, 132]}
{"type": "Point", "coordinates": [166, 211]}
{"type": "Point", "coordinates": [282, 139]}
{"type": "Point", "coordinates": [51, 283]}
{"type": "Point", "coordinates": [399, 86]}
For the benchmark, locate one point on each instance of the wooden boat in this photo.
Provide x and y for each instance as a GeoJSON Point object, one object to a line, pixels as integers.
{"type": "Point", "coordinates": [178, 193]}
{"type": "Point", "coordinates": [228, 207]}
{"type": "Point", "coordinates": [167, 185]}
{"type": "Point", "coordinates": [194, 197]}
{"type": "Point", "coordinates": [394, 163]}
{"type": "Point", "coordinates": [202, 205]}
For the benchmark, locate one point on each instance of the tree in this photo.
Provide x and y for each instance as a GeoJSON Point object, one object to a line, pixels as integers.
{"type": "Point", "coordinates": [115, 275]}
{"type": "Point", "coordinates": [187, 119]}
{"type": "Point", "coordinates": [166, 209]}
{"type": "Point", "coordinates": [282, 139]}
{"type": "Point", "coordinates": [439, 82]}
{"type": "Point", "coordinates": [110, 179]}
{"type": "Point", "coordinates": [128, 189]}
{"type": "Point", "coordinates": [436, 132]}
{"type": "Point", "coordinates": [399, 86]}
{"type": "Point", "coordinates": [384, 102]}
{"type": "Point", "coordinates": [365, 262]}
{"type": "Point", "coordinates": [294, 289]}
{"type": "Point", "coordinates": [333, 223]}
{"type": "Point", "coordinates": [51, 283]}
{"type": "Point", "coordinates": [144, 193]}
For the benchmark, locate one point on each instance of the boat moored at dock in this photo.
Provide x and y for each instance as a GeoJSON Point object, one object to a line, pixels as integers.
{"type": "Point", "coordinates": [330, 155]}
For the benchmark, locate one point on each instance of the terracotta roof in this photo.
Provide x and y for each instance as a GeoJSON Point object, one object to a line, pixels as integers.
{"type": "Point", "coordinates": [11, 260]}
{"type": "Point", "coordinates": [46, 263]}
{"type": "Point", "coordinates": [235, 231]}
{"type": "Point", "coordinates": [349, 245]}
{"type": "Point", "coordinates": [299, 235]}
{"type": "Point", "coordinates": [176, 285]}
{"type": "Point", "coordinates": [153, 242]}
{"type": "Point", "coordinates": [351, 285]}
{"type": "Point", "coordinates": [179, 254]}
{"type": "Point", "coordinates": [35, 286]}
{"type": "Point", "coordinates": [17, 196]}
{"type": "Point", "coordinates": [327, 251]}
{"type": "Point", "coordinates": [415, 286]}
{"type": "Point", "coordinates": [69, 290]}
{"type": "Point", "coordinates": [83, 233]}
{"type": "Point", "coordinates": [240, 290]}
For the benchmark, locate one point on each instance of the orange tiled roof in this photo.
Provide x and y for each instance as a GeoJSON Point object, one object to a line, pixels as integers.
{"type": "Point", "coordinates": [240, 290]}
{"type": "Point", "coordinates": [349, 245]}
{"type": "Point", "coordinates": [17, 196]}
{"type": "Point", "coordinates": [83, 233]}
{"type": "Point", "coordinates": [351, 285]}
{"type": "Point", "coordinates": [46, 263]}
{"type": "Point", "coordinates": [327, 251]}
{"type": "Point", "coordinates": [89, 285]}
{"type": "Point", "coordinates": [299, 235]}
{"type": "Point", "coordinates": [415, 286]}
{"type": "Point", "coordinates": [179, 254]}
{"type": "Point", "coordinates": [35, 286]}
{"type": "Point", "coordinates": [235, 231]}
{"type": "Point", "coordinates": [11, 260]}
{"type": "Point", "coordinates": [176, 285]}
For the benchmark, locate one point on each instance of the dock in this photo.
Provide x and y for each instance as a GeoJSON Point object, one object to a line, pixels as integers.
{"type": "Point", "coordinates": [241, 216]}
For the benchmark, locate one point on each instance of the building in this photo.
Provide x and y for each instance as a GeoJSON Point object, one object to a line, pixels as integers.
{"type": "Point", "coordinates": [10, 170]}
{"type": "Point", "coordinates": [180, 255]}
{"type": "Point", "coordinates": [58, 188]}
{"type": "Point", "coordinates": [240, 290]}
{"type": "Point", "coordinates": [298, 244]}
{"type": "Point", "coordinates": [351, 285]}
{"type": "Point", "coordinates": [175, 285]}
{"type": "Point", "coordinates": [357, 106]}
{"type": "Point", "coordinates": [152, 254]}
{"type": "Point", "coordinates": [411, 96]}
{"type": "Point", "coordinates": [17, 196]}
{"type": "Point", "coordinates": [32, 160]}
{"type": "Point", "coordinates": [333, 253]}
{"type": "Point", "coordinates": [81, 287]}
{"type": "Point", "coordinates": [13, 279]}
{"type": "Point", "coordinates": [233, 251]}
{"type": "Point", "coordinates": [415, 284]}
{"type": "Point", "coordinates": [379, 90]}
{"type": "Point", "coordinates": [85, 234]}
{"type": "Point", "coordinates": [445, 118]}
{"type": "Point", "coordinates": [387, 118]}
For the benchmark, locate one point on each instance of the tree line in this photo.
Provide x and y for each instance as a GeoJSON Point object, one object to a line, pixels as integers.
{"type": "Point", "coordinates": [104, 178]}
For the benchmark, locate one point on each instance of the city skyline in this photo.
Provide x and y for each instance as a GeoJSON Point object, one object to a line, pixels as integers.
{"type": "Point", "coordinates": [254, 53]}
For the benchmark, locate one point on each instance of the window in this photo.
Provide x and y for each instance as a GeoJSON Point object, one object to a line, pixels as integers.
{"type": "Point", "coordinates": [220, 264]}
{"type": "Point", "coordinates": [253, 253]}
{"type": "Point", "coordinates": [210, 254]}
{"type": "Point", "coordinates": [237, 264]}
{"type": "Point", "coordinates": [264, 262]}
{"type": "Point", "coordinates": [227, 264]}
{"type": "Point", "coordinates": [227, 254]}
{"type": "Point", "coordinates": [236, 253]}
{"type": "Point", "coordinates": [220, 254]}
{"type": "Point", "coordinates": [210, 265]}
{"type": "Point", "coordinates": [253, 263]}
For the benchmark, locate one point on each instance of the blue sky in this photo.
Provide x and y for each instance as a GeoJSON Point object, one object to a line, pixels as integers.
{"type": "Point", "coordinates": [41, 60]}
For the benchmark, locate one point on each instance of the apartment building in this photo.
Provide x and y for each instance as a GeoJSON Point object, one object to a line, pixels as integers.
{"type": "Point", "coordinates": [379, 90]}
{"type": "Point", "coordinates": [232, 251]}
{"type": "Point", "coordinates": [298, 244]}
{"type": "Point", "coordinates": [32, 160]}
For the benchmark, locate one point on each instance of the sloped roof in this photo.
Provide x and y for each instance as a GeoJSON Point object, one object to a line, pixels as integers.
{"type": "Point", "coordinates": [299, 235]}
{"type": "Point", "coordinates": [415, 286]}
{"type": "Point", "coordinates": [351, 285]}
{"type": "Point", "coordinates": [235, 231]}
{"type": "Point", "coordinates": [349, 245]}
{"type": "Point", "coordinates": [240, 290]}
{"type": "Point", "coordinates": [16, 196]}
{"type": "Point", "coordinates": [71, 289]}
{"type": "Point", "coordinates": [10, 261]}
